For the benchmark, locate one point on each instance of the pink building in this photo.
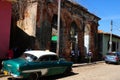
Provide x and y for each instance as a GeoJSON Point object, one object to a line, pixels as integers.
{"type": "Point", "coordinates": [5, 23]}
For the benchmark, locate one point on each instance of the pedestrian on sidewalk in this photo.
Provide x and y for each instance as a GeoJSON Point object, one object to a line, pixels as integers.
{"type": "Point", "coordinates": [89, 56]}
{"type": "Point", "coordinates": [73, 55]}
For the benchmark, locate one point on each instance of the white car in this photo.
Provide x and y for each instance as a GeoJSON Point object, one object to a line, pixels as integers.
{"type": "Point", "coordinates": [112, 57]}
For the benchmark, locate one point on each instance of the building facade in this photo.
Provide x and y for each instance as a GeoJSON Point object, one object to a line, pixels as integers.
{"type": "Point", "coordinates": [104, 43]}
{"type": "Point", "coordinates": [5, 23]}
{"type": "Point", "coordinates": [34, 25]}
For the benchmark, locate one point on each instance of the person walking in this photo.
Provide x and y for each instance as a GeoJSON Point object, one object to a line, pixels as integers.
{"type": "Point", "coordinates": [73, 55]}
{"type": "Point", "coordinates": [89, 56]}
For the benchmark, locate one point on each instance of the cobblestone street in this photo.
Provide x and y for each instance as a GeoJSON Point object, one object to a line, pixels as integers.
{"type": "Point", "coordinates": [99, 71]}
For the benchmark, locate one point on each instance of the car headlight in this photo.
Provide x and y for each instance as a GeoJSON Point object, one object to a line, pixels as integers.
{"type": "Point", "coordinates": [18, 67]}
{"type": "Point", "coordinates": [2, 63]}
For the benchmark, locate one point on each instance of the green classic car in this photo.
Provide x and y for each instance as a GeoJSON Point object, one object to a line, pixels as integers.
{"type": "Point", "coordinates": [35, 63]}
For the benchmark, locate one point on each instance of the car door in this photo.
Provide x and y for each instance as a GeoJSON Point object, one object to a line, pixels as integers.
{"type": "Point", "coordinates": [55, 65]}
{"type": "Point", "coordinates": [118, 55]}
{"type": "Point", "coordinates": [51, 65]}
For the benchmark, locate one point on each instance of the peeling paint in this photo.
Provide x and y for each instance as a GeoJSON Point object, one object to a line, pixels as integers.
{"type": "Point", "coordinates": [28, 24]}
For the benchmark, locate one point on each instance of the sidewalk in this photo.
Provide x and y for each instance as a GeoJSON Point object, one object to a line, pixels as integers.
{"type": "Point", "coordinates": [86, 64]}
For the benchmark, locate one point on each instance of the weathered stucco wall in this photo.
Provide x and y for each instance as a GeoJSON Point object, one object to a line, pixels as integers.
{"type": "Point", "coordinates": [5, 23]}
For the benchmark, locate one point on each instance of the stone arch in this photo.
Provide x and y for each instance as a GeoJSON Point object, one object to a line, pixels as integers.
{"type": "Point", "coordinates": [93, 46]}
{"type": "Point", "coordinates": [66, 18]}
{"type": "Point", "coordinates": [52, 10]}
{"type": "Point", "coordinates": [78, 21]}
{"type": "Point", "coordinates": [45, 15]}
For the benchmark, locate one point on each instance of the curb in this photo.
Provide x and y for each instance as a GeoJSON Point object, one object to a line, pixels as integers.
{"type": "Point", "coordinates": [86, 64]}
{"type": "Point", "coordinates": [2, 75]}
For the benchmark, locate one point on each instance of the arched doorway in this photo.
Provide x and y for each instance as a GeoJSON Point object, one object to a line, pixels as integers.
{"type": "Point", "coordinates": [54, 33]}
{"type": "Point", "coordinates": [55, 36]}
{"type": "Point", "coordinates": [74, 42]}
{"type": "Point", "coordinates": [87, 38]}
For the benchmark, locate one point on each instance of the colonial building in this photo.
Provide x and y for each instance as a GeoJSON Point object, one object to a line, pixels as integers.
{"type": "Point", "coordinates": [34, 25]}
{"type": "Point", "coordinates": [104, 43]}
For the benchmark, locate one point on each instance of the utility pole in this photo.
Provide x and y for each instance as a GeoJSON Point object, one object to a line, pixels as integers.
{"type": "Point", "coordinates": [58, 27]}
{"type": "Point", "coordinates": [110, 43]}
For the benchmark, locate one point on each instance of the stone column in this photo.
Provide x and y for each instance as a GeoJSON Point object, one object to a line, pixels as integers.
{"type": "Point", "coordinates": [93, 40]}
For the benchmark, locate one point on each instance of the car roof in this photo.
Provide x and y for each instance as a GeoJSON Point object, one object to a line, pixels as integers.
{"type": "Point", "coordinates": [113, 52]}
{"type": "Point", "coordinates": [110, 53]}
{"type": "Point", "coordinates": [39, 53]}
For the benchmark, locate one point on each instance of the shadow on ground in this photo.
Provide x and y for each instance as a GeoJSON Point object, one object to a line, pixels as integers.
{"type": "Point", "coordinates": [58, 76]}
{"type": "Point", "coordinates": [55, 77]}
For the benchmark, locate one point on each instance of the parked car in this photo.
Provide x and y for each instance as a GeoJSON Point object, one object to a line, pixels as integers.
{"type": "Point", "coordinates": [34, 64]}
{"type": "Point", "coordinates": [112, 57]}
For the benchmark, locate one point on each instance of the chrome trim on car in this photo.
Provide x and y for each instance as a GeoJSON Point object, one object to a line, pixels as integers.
{"type": "Point", "coordinates": [9, 65]}
{"type": "Point", "coordinates": [44, 71]}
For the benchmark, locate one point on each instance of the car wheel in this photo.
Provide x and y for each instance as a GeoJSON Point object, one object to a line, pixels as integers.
{"type": "Point", "coordinates": [118, 62]}
{"type": "Point", "coordinates": [106, 62]}
{"type": "Point", "coordinates": [33, 76]}
{"type": "Point", "coordinates": [14, 79]}
{"type": "Point", "coordinates": [9, 78]}
{"type": "Point", "coordinates": [68, 70]}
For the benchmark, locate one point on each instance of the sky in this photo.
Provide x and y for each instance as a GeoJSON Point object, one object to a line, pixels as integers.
{"type": "Point", "coordinates": [107, 10]}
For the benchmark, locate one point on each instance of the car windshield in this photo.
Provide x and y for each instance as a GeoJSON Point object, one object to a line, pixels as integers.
{"type": "Point", "coordinates": [111, 54]}
{"type": "Point", "coordinates": [29, 57]}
